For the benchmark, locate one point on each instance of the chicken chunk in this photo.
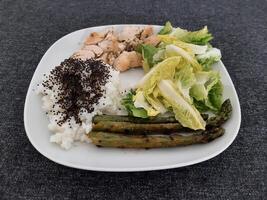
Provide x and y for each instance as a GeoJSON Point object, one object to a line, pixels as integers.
{"type": "Point", "coordinates": [94, 48]}
{"type": "Point", "coordinates": [129, 33]}
{"type": "Point", "coordinates": [108, 45]}
{"type": "Point", "coordinates": [110, 36]}
{"type": "Point", "coordinates": [153, 40]}
{"type": "Point", "coordinates": [94, 38]}
{"type": "Point", "coordinates": [83, 54]}
{"type": "Point", "coordinates": [128, 60]}
{"type": "Point", "coordinates": [117, 48]}
{"type": "Point", "coordinates": [148, 31]}
{"type": "Point", "coordinates": [104, 57]}
{"type": "Point", "coordinates": [121, 46]}
{"type": "Point", "coordinates": [110, 58]}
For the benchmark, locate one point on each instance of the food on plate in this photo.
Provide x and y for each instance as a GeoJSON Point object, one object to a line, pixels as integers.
{"type": "Point", "coordinates": [117, 48]}
{"type": "Point", "coordinates": [75, 91]}
{"type": "Point", "coordinates": [159, 124]}
{"type": "Point", "coordinates": [179, 100]}
{"type": "Point", "coordinates": [127, 60]}
{"type": "Point", "coordinates": [107, 139]}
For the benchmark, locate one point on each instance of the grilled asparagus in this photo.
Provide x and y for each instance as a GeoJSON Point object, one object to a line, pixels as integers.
{"type": "Point", "coordinates": [107, 139]}
{"type": "Point", "coordinates": [223, 116]}
{"type": "Point", "coordinates": [161, 124]}
{"type": "Point", "coordinates": [132, 128]}
{"type": "Point", "coordinates": [151, 120]}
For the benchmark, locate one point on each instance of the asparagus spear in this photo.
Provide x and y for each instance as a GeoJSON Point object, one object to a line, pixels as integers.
{"type": "Point", "coordinates": [133, 128]}
{"type": "Point", "coordinates": [223, 116]}
{"type": "Point", "coordinates": [129, 125]}
{"type": "Point", "coordinates": [120, 118]}
{"type": "Point", "coordinates": [106, 139]}
{"type": "Point", "coordinates": [150, 120]}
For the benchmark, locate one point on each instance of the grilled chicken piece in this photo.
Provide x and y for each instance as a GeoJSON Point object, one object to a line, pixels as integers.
{"type": "Point", "coordinates": [153, 40]}
{"type": "Point", "coordinates": [94, 48]}
{"type": "Point", "coordinates": [121, 46]}
{"type": "Point", "coordinates": [109, 45]}
{"type": "Point", "coordinates": [148, 31]}
{"type": "Point", "coordinates": [94, 38]}
{"type": "Point", "coordinates": [104, 57]}
{"type": "Point", "coordinates": [117, 48]}
{"type": "Point", "coordinates": [110, 36]}
{"type": "Point", "coordinates": [128, 60]}
{"type": "Point", "coordinates": [129, 33]}
{"type": "Point", "coordinates": [84, 54]}
{"type": "Point", "coordinates": [111, 58]}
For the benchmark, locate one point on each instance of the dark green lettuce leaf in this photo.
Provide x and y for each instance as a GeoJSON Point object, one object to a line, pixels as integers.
{"type": "Point", "coordinates": [166, 29]}
{"type": "Point", "coordinates": [128, 103]}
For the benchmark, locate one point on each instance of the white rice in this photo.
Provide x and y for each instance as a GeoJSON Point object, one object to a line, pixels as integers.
{"type": "Point", "coordinates": [68, 133]}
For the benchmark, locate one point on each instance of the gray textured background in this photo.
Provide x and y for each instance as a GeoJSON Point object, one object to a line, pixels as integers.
{"type": "Point", "coordinates": [28, 28]}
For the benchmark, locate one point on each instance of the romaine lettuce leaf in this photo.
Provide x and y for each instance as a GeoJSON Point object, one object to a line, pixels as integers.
{"type": "Point", "coordinates": [214, 100]}
{"type": "Point", "coordinates": [204, 82]}
{"type": "Point", "coordinates": [128, 103]}
{"type": "Point", "coordinates": [200, 37]}
{"type": "Point", "coordinates": [208, 58]}
{"type": "Point", "coordinates": [141, 102]}
{"type": "Point", "coordinates": [173, 50]}
{"type": "Point", "coordinates": [186, 76]}
{"type": "Point", "coordinates": [159, 56]}
{"type": "Point", "coordinates": [147, 51]}
{"type": "Point", "coordinates": [200, 106]}
{"type": "Point", "coordinates": [184, 79]}
{"type": "Point", "coordinates": [215, 96]}
{"type": "Point", "coordinates": [207, 91]}
{"type": "Point", "coordinates": [166, 29]}
{"type": "Point", "coordinates": [199, 92]}
{"type": "Point", "coordinates": [155, 103]}
{"type": "Point", "coordinates": [184, 111]}
{"type": "Point", "coordinates": [163, 70]}
{"type": "Point", "coordinates": [191, 48]}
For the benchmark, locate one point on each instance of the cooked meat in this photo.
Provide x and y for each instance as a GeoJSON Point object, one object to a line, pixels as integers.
{"type": "Point", "coordinates": [128, 60]}
{"type": "Point", "coordinates": [148, 31]}
{"type": "Point", "coordinates": [135, 59]}
{"type": "Point", "coordinates": [153, 40]}
{"type": "Point", "coordinates": [110, 36]}
{"type": "Point", "coordinates": [94, 38]}
{"type": "Point", "coordinates": [94, 48]}
{"type": "Point", "coordinates": [129, 33]}
{"type": "Point", "coordinates": [121, 46]}
{"type": "Point", "coordinates": [83, 54]}
{"type": "Point", "coordinates": [104, 58]}
{"type": "Point", "coordinates": [117, 49]}
{"type": "Point", "coordinates": [109, 45]}
{"type": "Point", "coordinates": [111, 58]}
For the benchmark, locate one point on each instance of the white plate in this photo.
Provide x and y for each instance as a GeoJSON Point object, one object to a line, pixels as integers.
{"type": "Point", "coordinates": [89, 157]}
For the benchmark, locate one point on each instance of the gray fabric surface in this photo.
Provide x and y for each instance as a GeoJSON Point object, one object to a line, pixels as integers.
{"type": "Point", "coordinates": [28, 28]}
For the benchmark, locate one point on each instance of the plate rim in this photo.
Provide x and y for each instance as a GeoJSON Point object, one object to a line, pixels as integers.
{"type": "Point", "coordinates": [132, 169]}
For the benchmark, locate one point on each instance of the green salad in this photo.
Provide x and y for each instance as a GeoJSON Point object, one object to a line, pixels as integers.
{"type": "Point", "coordinates": [179, 78]}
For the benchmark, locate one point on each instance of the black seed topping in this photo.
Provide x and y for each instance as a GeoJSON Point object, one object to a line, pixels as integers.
{"type": "Point", "coordinates": [77, 80]}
